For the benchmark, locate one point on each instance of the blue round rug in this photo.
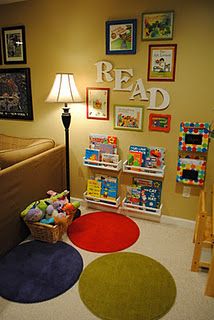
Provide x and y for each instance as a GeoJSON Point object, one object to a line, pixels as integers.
{"type": "Point", "coordinates": [36, 271]}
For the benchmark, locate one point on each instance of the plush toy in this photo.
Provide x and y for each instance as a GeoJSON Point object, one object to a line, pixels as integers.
{"type": "Point", "coordinates": [52, 210]}
{"type": "Point", "coordinates": [34, 214]}
{"type": "Point", "coordinates": [47, 221]}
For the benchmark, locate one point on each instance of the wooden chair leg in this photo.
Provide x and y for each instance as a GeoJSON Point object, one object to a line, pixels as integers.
{"type": "Point", "coordinates": [196, 257]}
{"type": "Point", "coordinates": [209, 291]}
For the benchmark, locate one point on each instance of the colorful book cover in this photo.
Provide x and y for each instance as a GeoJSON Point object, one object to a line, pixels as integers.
{"type": "Point", "coordinates": [92, 154]}
{"type": "Point", "coordinates": [133, 194]}
{"type": "Point", "coordinates": [150, 192]}
{"type": "Point", "coordinates": [109, 186]}
{"type": "Point", "coordinates": [135, 158]}
{"type": "Point", "coordinates": [141, 149]}
{"type": "Point", "coordinates": [104, 148]}
{"type": "Point", "coordinates": [155, 157]}
{"type": "Point", "coordinates": [95, 140]}
{"type": "Point", "coordinates": [102, 138]}
{"type": "Point", "coordinates": [93, 188]}
{"type": "Point", "coordinates": [110, 158]}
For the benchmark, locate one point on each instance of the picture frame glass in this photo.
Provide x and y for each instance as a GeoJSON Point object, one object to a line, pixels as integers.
{"type": "Point", "coordinates": [121, 36]}
{"type": "Point", "coordinates": [15, 94]}
{"type": "Point", "coordinates": [128, 117]}
{"type": "Point", "coordinates": [159, 122]}
{"type": "Point", "coordinates": [97, 103]}
{"type": "Point", "coordinates": [157, 26]}
{"type": "Point", "coordinates": [162, 59]}
{"type": "Point", "coordinates": [14, 45]}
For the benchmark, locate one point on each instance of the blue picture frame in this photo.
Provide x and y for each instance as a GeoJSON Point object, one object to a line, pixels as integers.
{"type": "Point", "coordinates": [121, 36]}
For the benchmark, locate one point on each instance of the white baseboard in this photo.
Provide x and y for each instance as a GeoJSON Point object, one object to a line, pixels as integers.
{"type": "Point", "coordinates": [190, 224]}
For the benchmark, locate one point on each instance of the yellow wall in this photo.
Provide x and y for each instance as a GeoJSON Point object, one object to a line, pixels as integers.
{"type": "Point", "coordinates": [69, 36]}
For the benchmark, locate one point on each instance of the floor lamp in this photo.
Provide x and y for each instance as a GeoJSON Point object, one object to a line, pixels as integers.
{"type": "Point", "coordinates": [64, 90]}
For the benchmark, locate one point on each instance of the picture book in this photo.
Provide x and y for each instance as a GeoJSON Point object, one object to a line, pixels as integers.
{"type": "Point", "coordinates": [155, 157]}
{"type": "Point", "coordinates": [93, 188]}
{"type": "Point", "coordinates": [92, 154]}
{"type": "Point", "coordinates": [150, 191]}
{"type": "Point", "coordinates": [140, 149]}
{"type": "Point", "coordinates": [135, 158]}
{"type": "Point", "coordinates": [102, 138]}
{"type": "Point", "coordinates": [97, 141]}
{"type": "Point", "coordinates": [109, 186]}
{"type": "Point", "coordinates": [133, 194]}
{"type": "Point", "coordinates": [110, 158]}
{"type": "Point", "coordinates": [105, 148]}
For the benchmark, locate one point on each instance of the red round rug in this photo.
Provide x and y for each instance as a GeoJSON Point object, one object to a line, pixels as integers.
{"type": "Point", "coordinates": [103, 232]}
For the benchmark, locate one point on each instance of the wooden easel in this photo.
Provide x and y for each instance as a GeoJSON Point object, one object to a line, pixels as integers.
{"type": "Point", "coordinates": [204, 237]}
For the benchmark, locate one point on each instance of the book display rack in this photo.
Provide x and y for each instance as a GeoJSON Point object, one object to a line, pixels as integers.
{"type": "Point", "coordinates": [146, 165]}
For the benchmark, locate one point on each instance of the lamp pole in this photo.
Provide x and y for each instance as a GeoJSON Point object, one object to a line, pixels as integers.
{"type": "Point", "coordinates": [66, 119]}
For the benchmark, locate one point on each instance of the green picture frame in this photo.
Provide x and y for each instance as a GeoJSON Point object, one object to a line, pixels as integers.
{"type": "Point", "coordinates": [157, 26]}
{"type": "Point", "coordinates": [127, 117]}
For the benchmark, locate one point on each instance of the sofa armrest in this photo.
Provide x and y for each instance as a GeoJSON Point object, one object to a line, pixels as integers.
{"type": "Point", "coordinates": [23, 183]}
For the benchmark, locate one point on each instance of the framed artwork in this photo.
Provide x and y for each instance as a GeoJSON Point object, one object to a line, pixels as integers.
{"type": "Point", "coordinates": [159, 122]}
{"type": "Point", "coordinates": [15, 94]}
{"type": "Point", "coordinates": [157, 26]}
{"type": "Point", "coordinates": [0, 52]}
{"type": "Point", "coordinates": [14, 47]}
{"type": "Point", "coordinates": [128, 117]}
{"type": "Point", "coordinates": [161, 63]}
{"type": "Point", "coordinates": [121, 36]}
{"type": "Point", "coordinates": [97, 103]}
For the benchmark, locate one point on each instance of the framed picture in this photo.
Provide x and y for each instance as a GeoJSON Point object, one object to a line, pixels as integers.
{"type": "Point", "coordinates": [157, 26]}
{"type": "Point", "coordinates": [128, 117]}
{"type": "Point", "coordinates": [121, 36]}
{"type": "Point", "coordinates": [97, 103]}
{"type": "Point", "coordinates": [15, 94]}
{"type": "Point", "coordinates": [14, 47]}
{"type": "Point", "coordinates": [162, 61]}
{"type": "Point", "coordinates": [0, 52]}
{"type": "Point", "coordinates": [159, 122]}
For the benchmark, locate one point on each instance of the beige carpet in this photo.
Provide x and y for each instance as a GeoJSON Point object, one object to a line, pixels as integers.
{"type": "Point", "coordinates": [169, 244]}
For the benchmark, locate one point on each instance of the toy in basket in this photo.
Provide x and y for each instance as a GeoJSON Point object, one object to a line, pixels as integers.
{"type": "Point", "coordinates": [49, 218]}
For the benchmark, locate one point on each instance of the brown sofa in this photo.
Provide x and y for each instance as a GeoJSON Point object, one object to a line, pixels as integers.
{"type": "Point", "coordinates": [25, 181]}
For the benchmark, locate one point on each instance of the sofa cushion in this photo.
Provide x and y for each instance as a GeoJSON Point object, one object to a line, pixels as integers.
{"type": "Point", "coordinates": [16, 149]}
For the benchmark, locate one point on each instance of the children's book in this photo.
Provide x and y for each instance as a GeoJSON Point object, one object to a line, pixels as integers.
{"type": "Point", "coordinates": [104, 148]}
{"type": "Point", "coordinates": [93, 188]}
{"type": "Point", "coordinates": [155, 157]}
{"type": "Point", "coordinates": [141, 149]}
{"type": "Point", "coordinates": [109, 186]}
{"type": "Point", "coordinates": [92, 154]}
{"type": "Point", "coordinates": [133, 194]}
{"type": "Point", "coordinates": [150, 192]}
{"type": "Point", "coordinates": [110, 158]}
{"type": "Point", "coordinates": [96, 141]}
{"type": "Point", "coordinates": [135, 158]}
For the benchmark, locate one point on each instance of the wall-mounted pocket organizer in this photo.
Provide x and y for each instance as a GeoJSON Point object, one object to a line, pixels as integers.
{"type": "Point", "coordinates": [193, 148]}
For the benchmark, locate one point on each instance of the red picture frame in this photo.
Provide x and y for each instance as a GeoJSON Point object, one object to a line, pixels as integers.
{"type": "Point", "coordinates": [162, 62]}
{"type": "Point", "coordinates": [97, 103]}
{"type": "Point", "coordinates": [159, 122]}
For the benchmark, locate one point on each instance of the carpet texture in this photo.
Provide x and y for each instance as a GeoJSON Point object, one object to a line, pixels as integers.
{"type": "Point", "coordinates": [127, 286]}
{"type": "Point", "coordinates": [103, 232]}
{"type": "Point", "coordinates": [37, 271]}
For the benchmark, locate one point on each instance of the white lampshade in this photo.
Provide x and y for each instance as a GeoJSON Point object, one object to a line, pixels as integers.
{"type": "Point", "coordinates": [64, 89]}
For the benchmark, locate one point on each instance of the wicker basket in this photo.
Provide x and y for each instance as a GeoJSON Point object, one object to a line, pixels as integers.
{"type": "Point", "coordinates": [47, 232]}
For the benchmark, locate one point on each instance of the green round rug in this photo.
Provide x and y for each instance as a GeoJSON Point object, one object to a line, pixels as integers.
{"type": "Point", "coordinates": [127, 286]}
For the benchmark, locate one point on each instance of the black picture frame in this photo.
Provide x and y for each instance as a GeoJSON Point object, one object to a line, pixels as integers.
{"type": "Point", "coordinates": [121, 36]}
{"type": "Point", "coordinates": [0, 52]}
{"type": "Point", "coordinates": [14, 45]}
{"type": "Point", "coordinates": [15, 94]}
